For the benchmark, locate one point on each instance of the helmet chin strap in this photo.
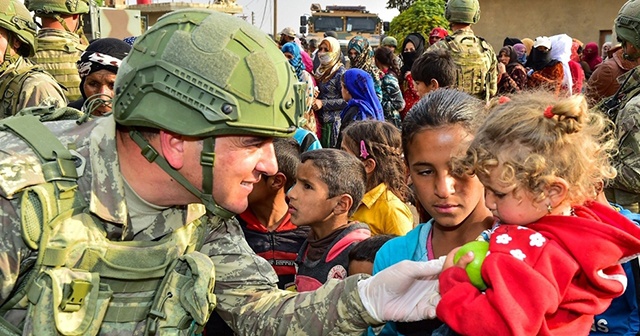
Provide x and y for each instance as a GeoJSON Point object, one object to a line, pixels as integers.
{"type": "Point", "coordinates": [206, 160]}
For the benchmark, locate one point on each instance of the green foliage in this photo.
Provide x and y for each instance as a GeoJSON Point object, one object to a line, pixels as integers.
{"type": "Point", "coordinates": [401, 5]}
{"type": "Point", "coordinates": [420, 17]}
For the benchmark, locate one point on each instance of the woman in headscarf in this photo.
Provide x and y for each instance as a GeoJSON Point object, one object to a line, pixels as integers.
{"type": "Point", "coordinates": [329, 102]}
{"type": "Point", "coordinates": [521, 51]}
{"type": "Point", "coordinates": [97, 68]}
{"type": "Point", "coordinates": [292, 52]}
{"type": "Point", "coordinates": [544, 72]}
{"type": "Point", "coordinates": [591, 55]}
{"type": "Point", "coordinates": [512, 76]}
{"type": "Point", "coordinates": [361, 57]}
{"type": "Point", "coordinates": [412, 48]}
{"type": "Point", "coordinates": [362, 102]}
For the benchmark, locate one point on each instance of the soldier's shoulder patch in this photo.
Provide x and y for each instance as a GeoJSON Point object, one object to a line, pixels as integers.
{"type": "Point", "coordinates": [18, 172]}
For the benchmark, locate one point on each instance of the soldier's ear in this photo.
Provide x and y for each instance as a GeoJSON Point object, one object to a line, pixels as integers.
{"type": "Point", "coordinates": [172, 147]}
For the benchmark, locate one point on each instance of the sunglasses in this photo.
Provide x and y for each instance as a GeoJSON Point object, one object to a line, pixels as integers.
{"type": "Point", "coordinates": [323, 49]}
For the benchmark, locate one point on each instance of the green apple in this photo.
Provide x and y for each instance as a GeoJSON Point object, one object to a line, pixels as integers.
{"type": "Point", "coordinates": [479, 249]}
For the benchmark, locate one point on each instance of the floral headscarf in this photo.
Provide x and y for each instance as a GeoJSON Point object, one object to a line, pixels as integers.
{"type": "Point", "coordinates": [296, 61]}
{"type": "Point", "coordinates": [364, 60]}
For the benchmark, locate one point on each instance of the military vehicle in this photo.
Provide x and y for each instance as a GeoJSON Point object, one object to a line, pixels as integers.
{"type": "Point", "coordinates": [346, 21]}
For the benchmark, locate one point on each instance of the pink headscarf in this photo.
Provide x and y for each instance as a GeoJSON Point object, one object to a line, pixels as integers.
{"type": "Point", "coordinates": [591, 55]}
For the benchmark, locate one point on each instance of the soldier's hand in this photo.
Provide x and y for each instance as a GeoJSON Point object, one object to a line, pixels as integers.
{"type": "Point", "coordinates": [406, 291]}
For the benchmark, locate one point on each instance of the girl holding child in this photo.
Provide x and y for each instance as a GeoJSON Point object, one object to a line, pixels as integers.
{"type": "Point", "coordinates": [554, 259]}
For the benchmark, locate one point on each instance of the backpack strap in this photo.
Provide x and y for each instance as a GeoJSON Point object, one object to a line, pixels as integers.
{"type": "Point", "coordinates": [40, 203]}
{"type": "Point", "coordinates": [12, 86]}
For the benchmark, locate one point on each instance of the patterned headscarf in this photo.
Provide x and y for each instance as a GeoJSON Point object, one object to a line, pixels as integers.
{"type": "Point", "coordinates": [326, 70]}
{"type": "Point", "coordinates": [102, 54]}
{"type": "Point", "coordinates": [360, 85]}
{"type": "Point", "coordinates": [364, 60]}
{"type": "Point", "coordinates": [296, 61]}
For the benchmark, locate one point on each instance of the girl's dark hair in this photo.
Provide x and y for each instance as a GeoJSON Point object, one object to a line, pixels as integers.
{"type": "Point", "coordinates": [382, 142]}
{"type": "Point", "coordinates": [385, 56]}
{"type": "Point", "coordinates": [440, 108]}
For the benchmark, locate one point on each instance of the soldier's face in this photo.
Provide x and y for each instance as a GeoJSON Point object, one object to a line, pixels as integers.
{"type": "Point", "coordinates": [240, 162]}
{"type": "Point", "coordinates": [4, 38]}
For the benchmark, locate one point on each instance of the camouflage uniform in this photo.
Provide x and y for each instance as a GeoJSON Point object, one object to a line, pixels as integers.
{"type": "Point", "coordinates": [488, 65]}
{"type": "Point", "coordinates": [245, 285]}
{"type": "Point", "coordinates": [623, 108]}
{"type": "Point", "coordinates": [625, 188]}
{"type": "Point", "coordinates": [34, 87]}
{"type": "Point", "coordinates": [57, 51]}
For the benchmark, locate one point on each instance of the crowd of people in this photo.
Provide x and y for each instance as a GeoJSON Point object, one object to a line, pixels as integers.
{"type": "Point", "coordinates": [165, 184]}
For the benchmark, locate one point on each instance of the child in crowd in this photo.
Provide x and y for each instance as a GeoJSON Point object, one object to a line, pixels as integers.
{"type": "Point", "coordinates": [329, 186]}
{"type": "Point", "coordinates": [362, 255]}
{"type": "Point", "coordinates": [437, 128]}
{"type": "Point", "coordinates": [392, 100]}
{"type": "Point", "coordinates": [378, 145]}
{"type": "Point", "coordinates": [554, 260]}
{"type": "Point", "coordinates": [267, 223]}
{"type": "Point", "coordinates": [432, 70]}
{"type": "Point", "coordinates": [362, 102]}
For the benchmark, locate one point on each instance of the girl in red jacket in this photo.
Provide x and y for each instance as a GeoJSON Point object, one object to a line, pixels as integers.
{"type": "Point", "coordinates": [554, 261]}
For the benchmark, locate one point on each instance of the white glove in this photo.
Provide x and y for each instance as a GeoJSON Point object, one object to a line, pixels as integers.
{"type": "Point", "coordinates": [406, 291]}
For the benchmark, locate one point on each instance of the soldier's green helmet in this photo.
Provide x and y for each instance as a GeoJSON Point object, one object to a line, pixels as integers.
{"type": "Point", "coordinates": [16, 19]}
{"type": "Point", "coordinates": [51, 7]}
{"type": "Point", "coordinates": [627, 23]}
{"type": "Point", "coordinates": [203, 73]}
{"type": "Point", "coordinates": [462, 11]}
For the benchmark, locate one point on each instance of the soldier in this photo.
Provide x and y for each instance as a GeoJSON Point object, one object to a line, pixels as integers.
{"type": "Point", "coordinates": [22, 83]}
{"type": "Point", "coordinates": [477, 63]}
{"type": "Point", "coordinates": [147, 198]}
{"type": "Point", "coordinates": [60, 41]}
{"type": "Point", "coordinates": [625, 188]}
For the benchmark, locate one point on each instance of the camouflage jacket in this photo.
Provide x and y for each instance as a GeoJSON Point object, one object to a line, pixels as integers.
{"type": "Point", "coordinates": [245, 286]}
{"type": "Point", "coordinates": [57, 51]}
{"type": "Point", "coordinates": [477, 63]}
{"type": "Point", "coordinates": [625, 188]}
{"type": "Point", "coordinates": [24, 84]}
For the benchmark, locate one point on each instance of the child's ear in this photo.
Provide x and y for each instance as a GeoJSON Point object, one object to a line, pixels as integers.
{"type": "Point", "coordinates": [278, 181]}
{"type": "Point", "coordinates": [345, 202]}
{"type": "Point", "coordinates": [369, 165]}
{"type": "Point", "coordinates": [433, 83]}
{"type": "Point", "coordinates": [557, 191]}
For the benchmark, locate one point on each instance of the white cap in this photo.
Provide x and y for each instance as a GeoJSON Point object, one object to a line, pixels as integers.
{"type": "Point", "coordinates": [542, 41]}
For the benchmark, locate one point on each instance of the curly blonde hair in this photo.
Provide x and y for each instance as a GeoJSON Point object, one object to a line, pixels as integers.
{"type": "Point", "coordinates": [536, 137]}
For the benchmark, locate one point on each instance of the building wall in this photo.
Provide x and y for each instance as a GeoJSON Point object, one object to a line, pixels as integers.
{"type": "Point", "coordinates": [581, 19]}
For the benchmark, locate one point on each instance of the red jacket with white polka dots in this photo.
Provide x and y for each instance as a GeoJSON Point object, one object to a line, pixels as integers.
{"type": "Point", "coordinates": [548, 278]}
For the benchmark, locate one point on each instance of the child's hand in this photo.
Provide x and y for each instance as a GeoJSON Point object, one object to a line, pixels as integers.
{"type": "Point", "coordinates": [462, 262]}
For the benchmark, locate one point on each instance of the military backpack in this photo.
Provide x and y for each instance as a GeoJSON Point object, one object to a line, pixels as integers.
{"type": "Point", "coordinates": [470, 54]}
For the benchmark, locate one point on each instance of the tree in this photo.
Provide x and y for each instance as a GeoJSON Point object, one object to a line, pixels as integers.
{"type": "Point", "coordinates": [401, 5]}
{"type": "Point", "coordinates": [420, 17]}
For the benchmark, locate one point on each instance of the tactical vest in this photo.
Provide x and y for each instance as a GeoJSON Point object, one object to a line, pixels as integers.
{"type": "Point", "coordinates": [82, 283]}
{"type": "Point", "coordinates": [11, 83]}
{"type": "Point", "coordinates": [58, 56]}
{"type": "Point", "coordinates": [470, 54]}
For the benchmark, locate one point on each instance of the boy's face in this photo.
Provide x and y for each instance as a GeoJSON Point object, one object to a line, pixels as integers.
{"type": "Point", "coordinates": [309, 202]}
{"type": "Point", "coordinates": [422, 88]}
{"type": "Point", "coordinates": [360, 267]}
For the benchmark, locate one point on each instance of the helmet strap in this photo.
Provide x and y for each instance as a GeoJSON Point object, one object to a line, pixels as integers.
{"type": "Point", "coordinates": [207, 172]}
{"type": "Point", "coordinates": [8, 57]}
{"type": "Point", "coordinates": [62, 22]}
